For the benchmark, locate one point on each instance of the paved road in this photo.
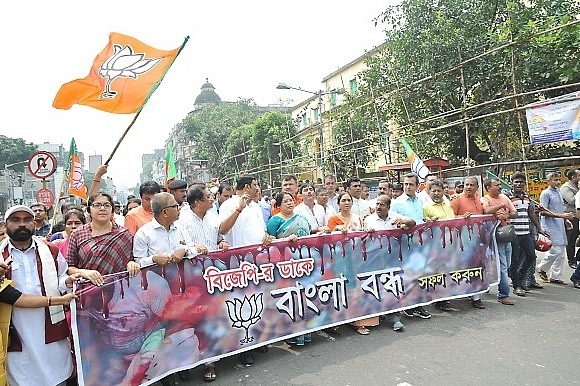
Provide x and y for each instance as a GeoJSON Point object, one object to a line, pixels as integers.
{"type": "Point", "coordinates": [535, 342]}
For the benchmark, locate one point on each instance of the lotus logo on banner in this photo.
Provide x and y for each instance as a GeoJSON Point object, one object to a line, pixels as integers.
{"type": "Point", "coordinates": [245, 313]}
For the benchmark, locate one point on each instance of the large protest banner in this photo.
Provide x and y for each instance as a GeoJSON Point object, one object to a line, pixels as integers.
{"type": "Point", "coordinates": [136, 330]}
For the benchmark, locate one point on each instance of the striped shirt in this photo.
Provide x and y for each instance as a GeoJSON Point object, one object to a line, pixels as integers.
{"type": "Point", "coordinates": [522, 222]}
{"type": "Point", "coordinates": [205, 231]}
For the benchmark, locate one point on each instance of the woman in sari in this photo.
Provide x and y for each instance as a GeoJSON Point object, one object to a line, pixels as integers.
{"type": "Point", "coordinates": [288, 225]}
{"type": "Point", "coordinates": [345, 221]}
{"type": "Point", "coordinates": [73, 219]}
{"type": "Point", "coordinates": [100, 247]}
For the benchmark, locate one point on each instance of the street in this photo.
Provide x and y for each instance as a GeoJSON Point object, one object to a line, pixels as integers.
{"type": "Point", "coordinates": [534, 342]}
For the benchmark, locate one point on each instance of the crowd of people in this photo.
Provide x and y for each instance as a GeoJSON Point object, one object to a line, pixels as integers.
{"type": "Point", "coordinates": [164, 225]}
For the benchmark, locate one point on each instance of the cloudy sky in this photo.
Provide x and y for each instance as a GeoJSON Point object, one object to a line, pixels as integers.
{"type": "Point", "coordinates": [245, 48]}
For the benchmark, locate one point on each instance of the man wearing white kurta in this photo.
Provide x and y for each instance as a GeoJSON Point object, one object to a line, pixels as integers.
{"type": "Point", "coordinates": [37, 363]}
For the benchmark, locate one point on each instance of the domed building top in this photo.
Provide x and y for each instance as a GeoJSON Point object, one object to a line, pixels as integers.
{"type": "Point", "coordinates": [207, 95]}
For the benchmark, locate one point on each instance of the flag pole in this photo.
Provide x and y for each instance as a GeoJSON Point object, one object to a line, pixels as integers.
{"type": "Point", "coordinates": [122, 137]}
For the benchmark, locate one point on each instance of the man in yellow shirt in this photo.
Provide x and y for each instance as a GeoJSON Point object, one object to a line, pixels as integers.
{"type": "Point", "coordinates": [438, 208]}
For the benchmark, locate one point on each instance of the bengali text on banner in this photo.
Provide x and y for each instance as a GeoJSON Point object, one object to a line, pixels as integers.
{"type": "Point", "coordinates": [137, 330]}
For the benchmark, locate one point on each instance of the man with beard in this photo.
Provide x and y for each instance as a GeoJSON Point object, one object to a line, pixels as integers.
{"type": "Point", "coordinates": [39, 350]}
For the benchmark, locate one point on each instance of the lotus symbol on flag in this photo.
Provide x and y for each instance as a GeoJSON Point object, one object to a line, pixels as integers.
{"type": "Point", "coordinates": [125, 64]}
{"type": "Point", "coordinates": [245, 313]}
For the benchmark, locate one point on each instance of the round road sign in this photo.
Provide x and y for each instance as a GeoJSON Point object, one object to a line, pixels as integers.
{"type": "Point", "coordinates": [42, 164]}
{"type": "Point", "coordinates": [45, 196]}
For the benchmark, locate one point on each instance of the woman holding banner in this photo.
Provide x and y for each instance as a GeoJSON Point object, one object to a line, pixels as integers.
{"type": "Point", "coordinates": [289, 225]}
{"type": "Point", "coordinates": [345, 221]}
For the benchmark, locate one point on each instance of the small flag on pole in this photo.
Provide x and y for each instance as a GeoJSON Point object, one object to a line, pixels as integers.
{"type": "Point", "coordinates": [417, 165]}
{"type": "Point", "coordinates": [122, 78]}
{"type": "Point", "coordinates": [504, 184]}
{"type": "Point", "coordinates": [76, 180]}
{"type": "Point", "coordinates": [170, 169]}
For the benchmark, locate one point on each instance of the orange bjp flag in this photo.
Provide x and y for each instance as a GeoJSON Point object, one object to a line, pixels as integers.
{"type": "Point", "coordinates": [122, 78]}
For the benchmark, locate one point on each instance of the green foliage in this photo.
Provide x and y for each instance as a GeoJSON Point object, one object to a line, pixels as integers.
{"type": "Point", "coordinates": [273, 142]}
{"type": "Point", "coordinates": [354, 136]}
{"type": "Point", "coordinates": [15, 150]}
{"type": "Point", "coordinates": [210, 128]}
{"type": "Point", "coordinates": [423, 91]}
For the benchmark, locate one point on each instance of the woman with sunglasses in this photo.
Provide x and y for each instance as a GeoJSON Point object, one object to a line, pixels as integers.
{"type": "Point", "coordinates": [100, 247]}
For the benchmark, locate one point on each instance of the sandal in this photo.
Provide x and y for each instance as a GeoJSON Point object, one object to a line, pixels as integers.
{"type": "Point", "coordinates": [210, 374]}
{"type": "Point", "coordinates": [360, 330]}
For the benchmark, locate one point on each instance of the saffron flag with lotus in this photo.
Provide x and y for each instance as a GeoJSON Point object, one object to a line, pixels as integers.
{"type": "Point", "coordinates": [206, 307]}
{"type": "Point", "coordinates": [417, 165]}
{"type": "Point", "coordinates": [76, 180]}
{"type": "Point", "coordinates": [122, 78]}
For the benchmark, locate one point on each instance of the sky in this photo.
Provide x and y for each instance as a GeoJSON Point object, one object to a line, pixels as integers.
{"type": "Point", "coordinates": [245, 48]}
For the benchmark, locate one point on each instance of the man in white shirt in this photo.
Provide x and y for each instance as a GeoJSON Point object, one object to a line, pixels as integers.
{"type": "Point", "coordinates": [322, 200]}
{"type": "Point", "coordinates": [204, 231]}
{"type": "Point", "coordinates": [313, 212]}
{"type": "Point", "coordinates": [382, 219]}
{"type": "Point", "coordinates": [241, 219]}
{"type": "Point", "coordinates": [242, 223]}
{"type": "Point", "coordinates": [160, 241]}
{"type": "Point", "coordinates": [330, 185]}
{"type": "Point", "coordinates": [360, 207]}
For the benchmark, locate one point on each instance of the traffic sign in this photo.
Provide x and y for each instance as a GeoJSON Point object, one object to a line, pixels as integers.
{"type": "Point", "coordinates": [42, 164]}
{"type": "Point", "coordinates": [45, 196]}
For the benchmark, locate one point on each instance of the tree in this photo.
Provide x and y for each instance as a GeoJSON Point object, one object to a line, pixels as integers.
{"type": "Point", "coordinates": [354, 135]}
{"type": "Point", "coordinates": [210, 127]}
{"type": "Point", "coordinates": [273, 143]}
{"type": "Point", "coordinates": [15, 150]}
{"type": "Point", "coordinates": [445, 64]}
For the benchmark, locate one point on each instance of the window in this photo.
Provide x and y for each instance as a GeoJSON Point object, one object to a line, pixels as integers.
{"type": "Point", "coordinates": [353, 87]}
{"type": "Point", "coordinates": [316, 115]}
{"type": "Point", "coordinates": [333, 98]}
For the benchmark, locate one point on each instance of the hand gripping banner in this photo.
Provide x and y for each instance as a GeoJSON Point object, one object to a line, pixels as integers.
{"type": "Point", "coordinates": [137, 330]}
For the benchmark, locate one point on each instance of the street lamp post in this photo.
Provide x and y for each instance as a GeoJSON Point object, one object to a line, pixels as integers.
{"type": "Point", "coordinates": [319, 93]}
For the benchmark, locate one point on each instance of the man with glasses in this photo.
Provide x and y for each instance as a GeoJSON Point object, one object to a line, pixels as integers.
{"type": "Point", "coordinates": [203, 231]}
{"type": "Point", "coordinates": [160, 241]}
{"type": "Point", "coordinates": [141, 215]}
{"type": "Point", "coordinates": [41, 225]}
